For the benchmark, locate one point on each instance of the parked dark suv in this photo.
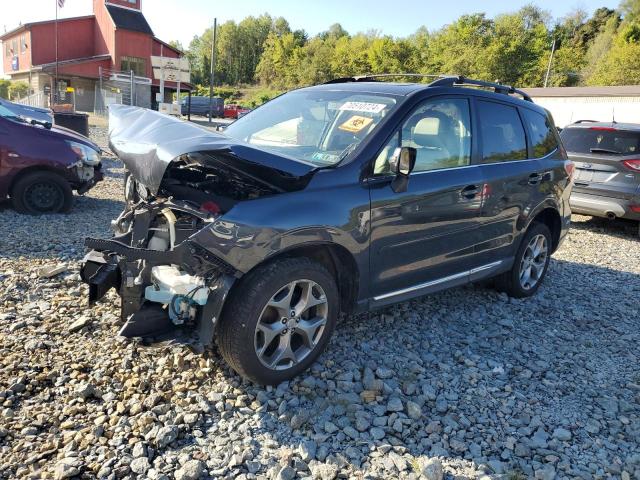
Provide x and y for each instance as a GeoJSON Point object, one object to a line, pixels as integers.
{"type": "Point", "coordinates": [341, 197]}
{"type": "Point", "coordinates": [607, 159]}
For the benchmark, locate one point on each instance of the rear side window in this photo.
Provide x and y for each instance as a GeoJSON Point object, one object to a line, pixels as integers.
{"type": "Point", "coordinates": [502, 133]}
{"type": "Point", "coordinates": [543, 140]}
{"type": "Point", "coordinates": [601, 140]}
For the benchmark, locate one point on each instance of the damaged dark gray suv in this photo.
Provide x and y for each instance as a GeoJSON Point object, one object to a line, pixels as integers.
{"type": "Point", "coordinates": [336, 198]}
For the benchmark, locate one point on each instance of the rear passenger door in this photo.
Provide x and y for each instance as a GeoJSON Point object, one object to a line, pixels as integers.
{"type": "Point", "coordinates": [512, 178]}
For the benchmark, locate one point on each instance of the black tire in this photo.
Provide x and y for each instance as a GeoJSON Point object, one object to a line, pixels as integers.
{"type": "Point", "coordinates": [236, 332]}
{"type": "Point", "coordinates": [509, 282]}
{"type": "Point", "coordinates": [41, 192]}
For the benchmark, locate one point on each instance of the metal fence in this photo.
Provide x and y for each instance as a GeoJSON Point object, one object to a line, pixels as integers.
{"type": "Point", "coordinates": [39, 99]}
{"type": "Point", "coordinates": [121, 87]}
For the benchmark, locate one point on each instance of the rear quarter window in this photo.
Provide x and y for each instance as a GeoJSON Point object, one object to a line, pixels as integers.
{"type": "Point", "coordinates": [601, 140]}
{"type": "Point", "coordinates": [543, 138]}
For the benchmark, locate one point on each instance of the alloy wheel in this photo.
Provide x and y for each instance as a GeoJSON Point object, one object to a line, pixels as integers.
{"type": "Point", "coordinates": [533, 262]}
{"type": "Point", "coordinates": [291, 324]}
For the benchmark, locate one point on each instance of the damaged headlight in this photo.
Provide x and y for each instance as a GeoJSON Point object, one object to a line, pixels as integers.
{"type": "Point", "coordinates": [86, 154]}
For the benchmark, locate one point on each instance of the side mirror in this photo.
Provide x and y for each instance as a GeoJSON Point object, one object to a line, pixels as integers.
{"type": "Point", "coordinates": [404, 160]}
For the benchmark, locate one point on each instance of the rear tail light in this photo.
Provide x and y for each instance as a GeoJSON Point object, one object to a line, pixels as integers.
{"type": "Point", "coordinates": [569, 167]}
{"type": "Point", "coordinates": [635, 208]}
{"type": "Point", "coordinates": [632, 164]}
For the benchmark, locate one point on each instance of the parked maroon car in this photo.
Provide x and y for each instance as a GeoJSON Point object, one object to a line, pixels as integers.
{"type": "Point", "coordinates": [41, 164]}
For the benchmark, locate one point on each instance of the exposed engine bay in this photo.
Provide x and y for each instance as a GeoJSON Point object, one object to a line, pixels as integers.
{"type": "Point", "coordinates": [167, 279]}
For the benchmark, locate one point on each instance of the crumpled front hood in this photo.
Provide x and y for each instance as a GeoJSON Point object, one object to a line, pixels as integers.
{"type": "Point", "coordinates": [148, 141]}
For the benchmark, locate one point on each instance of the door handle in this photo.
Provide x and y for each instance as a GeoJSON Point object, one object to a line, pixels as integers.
{"type": "Point", "coordinates": [470, 191]}
{"type": "Point", "coordinates": [535, 178]}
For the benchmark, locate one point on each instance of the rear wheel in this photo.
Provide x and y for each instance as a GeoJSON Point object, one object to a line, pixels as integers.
{"type": "Point", "coordinates": [278, 320]}
{"type": "Point", "coordinates": [530, 264]}
{"type": "Point", "coordinates": [42, 192]}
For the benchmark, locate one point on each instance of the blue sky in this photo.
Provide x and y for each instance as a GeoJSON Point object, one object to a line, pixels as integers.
{"type": "Point", "coordinates": [181, 19]}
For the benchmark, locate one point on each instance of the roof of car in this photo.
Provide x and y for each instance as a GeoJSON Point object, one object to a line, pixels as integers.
{"type": "Point", "coordinates": [389, 88]}
{"type": "Point", "coordinates": [615, 125]}
{"type": "Point", "coordinates": [404, 89]}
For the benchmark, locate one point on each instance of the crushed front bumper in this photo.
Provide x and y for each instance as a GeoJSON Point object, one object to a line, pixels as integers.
{"type": "Point", "coordinates": [88, 177]}
{"type": "Point", "coordinates": [115, 263]}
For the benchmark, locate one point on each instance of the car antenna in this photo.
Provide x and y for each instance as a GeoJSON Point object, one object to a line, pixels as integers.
{"type": "Point", "coordinates": [613, 115]}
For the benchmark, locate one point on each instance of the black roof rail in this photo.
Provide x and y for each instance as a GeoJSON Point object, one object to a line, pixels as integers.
{"type": "Point", "coordinates": [441, 81]}
{"type": "Point", "coordinates": [450, 81]}
{"type": "Point", "coordinates": [586, 121]}
{"type": "Point", "coordinates": [373, 76]}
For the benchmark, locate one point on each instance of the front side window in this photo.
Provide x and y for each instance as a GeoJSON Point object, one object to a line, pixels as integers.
{"type": "Point", "coordinates": [439, 130]}
{"type": "Point", "coordinates": [138, 65]}
{"type": "Point", "coordinates": [543, 138]}
{"type": "Point", "coordinates": [502, 133]}
{"type": "Point", "coordinates": [317, 126]}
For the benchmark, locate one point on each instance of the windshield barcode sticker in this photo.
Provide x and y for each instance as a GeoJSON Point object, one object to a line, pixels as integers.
{"type": "Point", "coordinates": [363, 107]}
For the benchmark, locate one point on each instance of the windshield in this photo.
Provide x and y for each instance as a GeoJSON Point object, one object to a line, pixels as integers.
{"type": "Point", "coordinates": [601, 140]}
{"type": "Point", "coordinates": [319, 127]}
{"type": "Point", "coordinates": [6, 113]}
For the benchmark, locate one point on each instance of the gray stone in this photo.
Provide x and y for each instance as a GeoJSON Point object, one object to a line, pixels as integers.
{"type": "Point", "coordinates": [140, 465]}
{"type": "Point", "coordinates": [165, 436]}
{"type": "Point", "coordinates": [191, 470]}
{"type": "Point", "coordinates": [431, 469]}
{"type": "Point", "coordinates": [324, 471]}
{"type": "Point", "coordinates": [384, 373]}
{"type": "Point", "coordinates": [66, 469]}
{"type": "Point", "coordinates": [441, 404]}
{"type": "Point", "coordinates": [562, 434]}
{"type": "Point", "coordinates": [286, 473]}
{"type": "Point", "coordinates": [395, 405]}
{"type": "Point", "coordinates": [307, 450]}
{"type": "Point", "coordinates": [377, 433]}
{"type": "Point", "coordinates": [330, 427]}
{"type": "Point", "coordinates": [413, 410]}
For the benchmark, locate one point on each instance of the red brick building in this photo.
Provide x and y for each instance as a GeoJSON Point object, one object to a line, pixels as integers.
{"type": "Point", "coordinates": [117, 37]}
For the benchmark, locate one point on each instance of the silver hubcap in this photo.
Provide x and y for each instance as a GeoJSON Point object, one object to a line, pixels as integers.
{"type": "Point", "coordinates": [533, 262]}
{"type": "Point", "coordinates": [291, 325]}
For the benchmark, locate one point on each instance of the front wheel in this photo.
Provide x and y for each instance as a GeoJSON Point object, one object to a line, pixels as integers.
{"type": "Point", "coordinates": [530, 264]}
{"type": "Point", "coordinates": [278, 320]}
{"type": "Point", "coordinates": [42, 192]}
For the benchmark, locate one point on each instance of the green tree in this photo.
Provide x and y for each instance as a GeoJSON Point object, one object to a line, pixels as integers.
{"type": "Point", "coordinates": [621, 66]}
{"type": "Point", "coordinates": [18, 89]}
{"type": "Point", "coordinates": [459, 48]}
{"type": "Point", "coordinates": [4, 88]}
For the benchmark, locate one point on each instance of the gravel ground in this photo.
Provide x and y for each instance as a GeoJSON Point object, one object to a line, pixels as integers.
{"type": "Point", "coordinates": [467, 383]}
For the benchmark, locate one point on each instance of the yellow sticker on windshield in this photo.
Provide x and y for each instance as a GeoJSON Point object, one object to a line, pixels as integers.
{"type": "Point", "coordinates": [355, 124]}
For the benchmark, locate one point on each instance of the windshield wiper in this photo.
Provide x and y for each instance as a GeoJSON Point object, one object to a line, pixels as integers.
{"type": "Point", "coordinates": [604, 150]}
{"type": "Point", "coordinates": [46, 125]}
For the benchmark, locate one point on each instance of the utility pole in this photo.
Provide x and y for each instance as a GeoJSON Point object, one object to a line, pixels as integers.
{"type": "Point", "coordinates": [553, 49]}
{"type": "Point", "coordinates": [213, 67]}
{"type": "Point", "coordinates": [55, 91]}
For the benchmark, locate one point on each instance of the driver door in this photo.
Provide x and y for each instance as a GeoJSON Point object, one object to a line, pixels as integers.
{"type": "Point", "coordinates": [424, 238]}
